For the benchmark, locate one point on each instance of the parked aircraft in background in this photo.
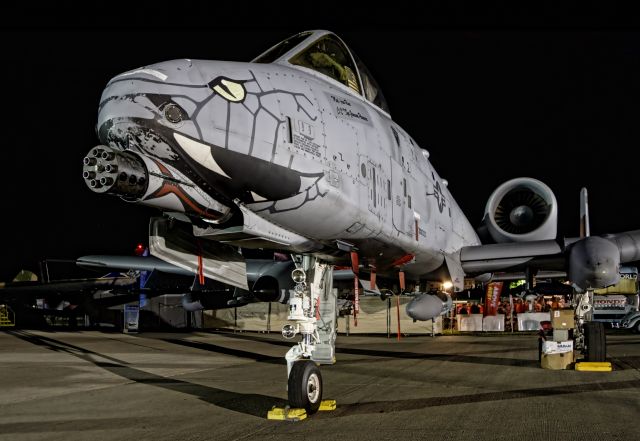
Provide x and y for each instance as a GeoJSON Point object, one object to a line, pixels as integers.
{"type": "Point", "coordinates": [32, 299]}
{"type": "Point", "coordinates": [139, 275]}
{"type": "Point", "coordinates": [297, 152]}
{"type": "Point", "coordinates": [269, 280]}
{"type": "Point", "coordinates": [130, 277]}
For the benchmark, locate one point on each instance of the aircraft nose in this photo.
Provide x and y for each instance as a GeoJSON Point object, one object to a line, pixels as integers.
{"type": "Point", "coordinates": [140, 107]}
{"type": "Point", "coordinates": [178, 72]}
{"type": "Point", "coordinates": [208, 119]}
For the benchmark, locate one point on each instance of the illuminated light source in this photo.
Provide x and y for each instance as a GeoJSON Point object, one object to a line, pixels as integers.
{"type": "Point", "coordinates": [447, 285]}
{"type": "Point", "coordinates": [139, 250]}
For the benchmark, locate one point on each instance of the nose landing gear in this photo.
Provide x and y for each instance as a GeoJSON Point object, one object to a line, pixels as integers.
{"type": "Point", "coordinates": [313, 309]}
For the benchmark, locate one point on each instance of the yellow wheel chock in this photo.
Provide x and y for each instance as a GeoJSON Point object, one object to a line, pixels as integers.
{"type": "Point", "coordinates": [594, 366]}
{"type": "Point", "coordinates": [293, 414]}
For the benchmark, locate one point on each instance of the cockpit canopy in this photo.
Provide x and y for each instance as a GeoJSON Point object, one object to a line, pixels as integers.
{"type": "Point", "coordinates": [325, 53]}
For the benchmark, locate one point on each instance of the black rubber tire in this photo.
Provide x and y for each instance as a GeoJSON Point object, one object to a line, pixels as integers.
{"type": "Point", "coordinates": [540, 349]}
{"type": "Point", "coordinates": [595, 341]}
{"type": "Point", "coordinates": [305, 386]}
{"type": "Point", "coordinates": [637, 327]}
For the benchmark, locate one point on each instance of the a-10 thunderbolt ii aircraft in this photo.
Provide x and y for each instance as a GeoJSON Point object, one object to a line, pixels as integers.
{"type": "Point", "coordinates": [296, 151]}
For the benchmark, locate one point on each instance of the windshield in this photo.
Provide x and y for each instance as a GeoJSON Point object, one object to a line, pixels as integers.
{"type": "Point", "coordinates": [330, 57]}
{"type": "Point", "coordinates": [372, 91]}
{"type": "Point", "coordinates": [281, 48]}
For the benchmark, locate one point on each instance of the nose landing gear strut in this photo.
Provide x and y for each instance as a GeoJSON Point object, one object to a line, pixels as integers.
{"type": "Point", "coordinates": [313, 309]}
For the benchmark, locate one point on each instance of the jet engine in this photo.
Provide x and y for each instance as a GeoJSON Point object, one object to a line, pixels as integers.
{"type": "Point", "coordinates": [270, 280]}
{"type": "Point", "coordinates": [427, 306]}
{"type": "Point", "coordinates": [520, 210]}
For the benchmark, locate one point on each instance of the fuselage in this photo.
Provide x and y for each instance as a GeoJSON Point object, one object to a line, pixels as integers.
{"type": "Point", "coordinates": [299, 149]}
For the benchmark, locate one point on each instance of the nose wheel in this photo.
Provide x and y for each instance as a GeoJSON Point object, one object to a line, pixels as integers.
{"type": "Point", "coordinates": [305, 386]}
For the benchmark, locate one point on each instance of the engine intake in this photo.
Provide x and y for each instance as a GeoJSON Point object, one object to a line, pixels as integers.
{"type": "Point", "coordinates": [522, 209]}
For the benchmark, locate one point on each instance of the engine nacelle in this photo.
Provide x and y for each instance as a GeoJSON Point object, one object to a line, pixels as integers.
{"type": "Point", "coordinates": [427, 306]}
{"type": "Point", "coordinates": [270, 281]}
{"type": "Point", "coordinates": [520, 210]}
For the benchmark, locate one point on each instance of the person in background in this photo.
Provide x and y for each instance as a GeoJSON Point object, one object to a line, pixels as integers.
{"type": "Point", "coordinates": [537, 306]}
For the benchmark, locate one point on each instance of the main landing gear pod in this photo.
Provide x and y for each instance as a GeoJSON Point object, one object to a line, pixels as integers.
{"type": "Point", "coordinates": [313, 309]}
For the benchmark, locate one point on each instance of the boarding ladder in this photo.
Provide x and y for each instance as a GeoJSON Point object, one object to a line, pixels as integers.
{"type": "Point", "coordinates": [7, 317]}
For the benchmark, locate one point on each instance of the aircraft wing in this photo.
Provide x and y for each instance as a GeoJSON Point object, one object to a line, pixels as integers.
{"type": "Point", "coordinates": [511, 256]}
{"type": "Point", "coordinates": [63, 286]}
{"type": "Point", "coordinates": [76, 291]}
{"type": "Point", "coordinates": [136, 263]}
{"type": "Point", "coordinates": [589, 262]}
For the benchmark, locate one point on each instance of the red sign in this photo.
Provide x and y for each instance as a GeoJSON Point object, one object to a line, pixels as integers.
{"type": "Point", "coordinates": [492, 298]}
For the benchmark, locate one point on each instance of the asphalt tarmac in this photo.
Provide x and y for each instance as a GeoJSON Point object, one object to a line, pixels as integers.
{"type": "Point", "coordinates": [90, 385]}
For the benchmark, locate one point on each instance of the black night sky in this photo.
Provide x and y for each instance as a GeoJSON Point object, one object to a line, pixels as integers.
{"type": "Point", "coordinates": [490, 98]}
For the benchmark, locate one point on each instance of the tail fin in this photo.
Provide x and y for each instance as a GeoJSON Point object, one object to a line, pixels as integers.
{"type": "Point", "coordinates": [25, 276]}
{"type": "Point", "coordinates": [584, 214]}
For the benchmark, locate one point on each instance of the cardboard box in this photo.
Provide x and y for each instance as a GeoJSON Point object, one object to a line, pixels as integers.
{"type": "Point", "coordinates": [557, 347]}
{"type": "Point", "coordinates": [560, 335]}
{"type": "Point", "coordinates": [556, 361]}
{"type": "Point", "coordinates": [562, 319]}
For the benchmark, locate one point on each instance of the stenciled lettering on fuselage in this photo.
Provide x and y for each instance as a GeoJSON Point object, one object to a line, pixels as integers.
{"type": "Point", "coordinates": [304, 137]}
{"type": "Point", "coordinates": [347, 109]}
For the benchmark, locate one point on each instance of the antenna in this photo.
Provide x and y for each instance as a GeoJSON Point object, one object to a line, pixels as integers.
{"type": "Point", "coordinates": [584, 214]}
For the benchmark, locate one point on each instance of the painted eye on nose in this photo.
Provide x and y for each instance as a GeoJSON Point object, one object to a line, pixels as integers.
{"type": "Point", "coordinates": [230, 90]}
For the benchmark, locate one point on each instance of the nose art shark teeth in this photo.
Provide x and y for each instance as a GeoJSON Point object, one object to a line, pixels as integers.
{"type": "Point", "coordinates": [200, 152]}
